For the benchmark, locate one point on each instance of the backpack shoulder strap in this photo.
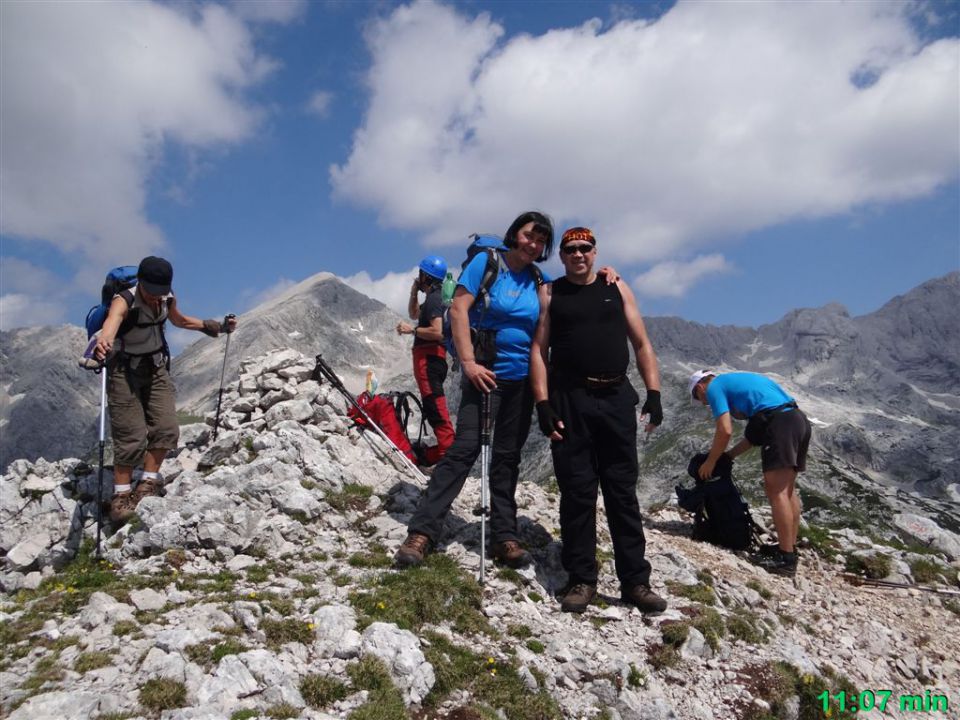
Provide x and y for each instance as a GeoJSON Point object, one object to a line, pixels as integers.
{"type": "Point", "coordinates": [537, 274]}
{"type": "Point", "coordinates": [490, 273]}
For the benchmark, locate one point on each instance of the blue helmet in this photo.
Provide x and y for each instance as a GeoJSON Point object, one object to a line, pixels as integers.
{"type": "Point", "coordinates": [434, 266]}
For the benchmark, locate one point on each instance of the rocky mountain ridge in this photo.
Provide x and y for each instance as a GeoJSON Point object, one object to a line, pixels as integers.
{"type": "Point", "coordinates": [260, 586]}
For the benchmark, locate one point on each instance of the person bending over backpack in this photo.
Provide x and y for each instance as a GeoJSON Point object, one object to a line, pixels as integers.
{"type": "Point", "coordinates": [429, 353]}
{"type": "Point", "coordinates": [775, 423]}
{"type": "Point", "coordinates": [140, 393]}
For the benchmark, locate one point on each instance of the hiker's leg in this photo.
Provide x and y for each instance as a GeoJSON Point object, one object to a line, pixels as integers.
{"type": "Point", "coordinates": [128, 426]}
{"type": "Point", "coordinates": [615, 440]}
{"type": "Point", "coordinates": [574, 463]}
{"type": "Point", "coordinates": [153, 459]}
{"type": "Point", "coordinates": [451, 472]}
{"type": "Point", "coordinates": [785, 453]}
{"type": "Point", "coordinates": [430, 371]}
{"type": "Point", "coordinates": [512, 408]}
{"type": "Point", "coordinates": [780, 486]}
{"type": "Point", "coordinates": [160, 413]}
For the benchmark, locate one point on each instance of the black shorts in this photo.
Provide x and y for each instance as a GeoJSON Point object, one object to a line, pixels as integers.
{"type": "Point", "coordinates": [786, 442]}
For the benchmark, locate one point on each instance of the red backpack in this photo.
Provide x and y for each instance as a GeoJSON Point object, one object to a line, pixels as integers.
{"type": "Point", "coordinates": [389, 411]}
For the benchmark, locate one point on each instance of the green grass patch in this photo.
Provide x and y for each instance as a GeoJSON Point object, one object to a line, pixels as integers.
{"type": "Point", "coordinates": [207, 654]}
{"type": "Point", "coordinates": [494, 683]}
{"type": "Point", "coordinates": [510, 575]}
{"type": "Point", "coordinates": [636, 677]}
{"type": "Point", "coordinates": [245, 714]}
{"type": "Point", "coordinates": [88, 661]}
{"type": "Point", "coordinates": [746, 626]}
{"type": "Point", "coordinates": [876, 566]}
{"type": "Point", "coordinates": [160, 694]}
{"type": "Point", "coordinates": [385, 701]}
{"type": "Point", "coordinates": [122, 628]}
{"type": "Point", "coordinates": [283, 711]}
{"type": "Point", "coordinates": [375, 556]}
{"type": "Point", "coordinates": [320, 690]}
{"type": "Point", "coordinates": [663, 656]}
{"type": "Point", "coordinates": [925, 570]}
{"type": "Point", "coordinates": [435, 592]}
{"type": "Point", "coordinates": [535, 646]}
{"type": "Point", "coordinates": [353, 496]}
{"type": "Point", "coordinates": [759, 589]}
{"type": "Point", "coordinates": [519, 631]}
{"type": "Point", "coordinates": [819, 540]}
{"type": "Point", "coordinates": [279, 632]}
{"type": "Point", "coordinates": [700, 593]}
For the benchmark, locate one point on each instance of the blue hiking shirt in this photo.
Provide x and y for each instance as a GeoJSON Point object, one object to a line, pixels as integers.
{"type": "Point", "coordinates": [513, 313]}
{"type": "Point", "coordinates": [744, 394]}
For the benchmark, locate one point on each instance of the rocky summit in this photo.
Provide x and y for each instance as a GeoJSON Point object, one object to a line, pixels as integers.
{"type": "Point", "coordinates": [260, 586]}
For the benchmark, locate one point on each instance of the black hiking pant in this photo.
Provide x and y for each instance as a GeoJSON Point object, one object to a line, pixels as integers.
{"type": "Point", "coordinates": [599, 449]}
{"type": "Point", "coordinates": [511, 407]}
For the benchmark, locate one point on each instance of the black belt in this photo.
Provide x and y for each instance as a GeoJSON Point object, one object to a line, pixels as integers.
{"type": "Point", "coordinates": [593, 382]}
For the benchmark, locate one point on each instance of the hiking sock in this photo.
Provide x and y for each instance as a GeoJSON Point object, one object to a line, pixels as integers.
{"type": "Point", "coordinates": [121, 489]}
{"type": "Point", "coordinates": [150, 476]}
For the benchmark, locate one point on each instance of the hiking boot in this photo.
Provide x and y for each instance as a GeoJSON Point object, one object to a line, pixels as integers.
{"type": "Point", "coordinates": [511, 554]}
{"type": "Point", "coordinates": [644, 599]}
{"type": "Point", "coordinates": [147, 488]}
{"type": "Point", "coordinates": [576, 599]}
{"type": "Point", "coordinates": [770, 549]}
{"type": "Point", "coordinates": [779, 563]}
{"type": "Point", "coordinates": [122, 508]}
{"type": "Point", "coordinates": [413, 550]}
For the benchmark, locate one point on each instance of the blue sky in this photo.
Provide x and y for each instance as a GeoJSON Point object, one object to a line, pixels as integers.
{"type": "Point", "coordinates": [736, 160]}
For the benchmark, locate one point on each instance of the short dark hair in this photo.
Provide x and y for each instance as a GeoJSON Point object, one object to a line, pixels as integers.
{"type": "Point", "coordinates": [542, 224]}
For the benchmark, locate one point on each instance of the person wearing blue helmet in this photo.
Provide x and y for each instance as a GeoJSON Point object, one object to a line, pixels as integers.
{"type": "Point", "coordinates": [429, 352]}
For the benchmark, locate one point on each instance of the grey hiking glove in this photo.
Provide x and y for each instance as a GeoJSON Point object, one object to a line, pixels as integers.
{"type": "Point", "coordinates": [211, 328]}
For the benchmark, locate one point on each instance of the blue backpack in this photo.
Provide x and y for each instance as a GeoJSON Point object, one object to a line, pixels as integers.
{"type": "Point", "coordinates": [491, 245]}
{"type": "Point", "coordinates": [119, 279]}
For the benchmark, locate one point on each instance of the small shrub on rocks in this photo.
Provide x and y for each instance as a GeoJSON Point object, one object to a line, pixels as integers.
{"type": "Point", "coordinates": [700, 593]}
{"type": "Point", "coordinates": [163, 694]}
{"type": "Point", "coordinates": [245, 714]}
{"type": "Point", "coordinates": [875, 567]}
{"type": "Point", "coordinates": [435, 592]}
{"type": "Point", "coordinates": [535, 646]}
{"type": "Point", "coordinates": [283, 711]}
{"type": "Point", "coordinates": [385, 701]}
{"type": "Point", "coordinates": [759, 589]}
{"type": "Point", "coordinates": [925, 570]}
{"type": "Point", "coordinates": [287, 630]}
{"type": "Point", "coordinates": [353, 496]}
{"type": "Point", "coordinates": [321, 690]}
{"type": "Point", "coordinates": [91, 661]}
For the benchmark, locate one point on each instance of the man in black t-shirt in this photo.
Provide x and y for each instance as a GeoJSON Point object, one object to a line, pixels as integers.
{"type": "Point", "coordinates": [590, 418]}
{"type": "Point", "coordinates": [429, 353]}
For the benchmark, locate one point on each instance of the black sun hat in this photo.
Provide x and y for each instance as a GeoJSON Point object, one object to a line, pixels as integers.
{"type": "Point", "coordinates": [155, 275]}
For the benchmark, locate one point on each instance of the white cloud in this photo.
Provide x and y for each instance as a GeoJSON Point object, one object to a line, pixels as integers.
{"type": "Point", "coordinates": [319, 103]}
{"type": "Point", "coordinates": [673, 279]}
{"type": "Point", "coordinates": [393, 289]}
{"type": "Point", "coordinates": [20, 310]}
{"type": "Point", "coordinates": [30, 295]}
{"type": "Point", "coordinates": [91, 93]}
{"type": "Point", "coordinates": [664, 136]}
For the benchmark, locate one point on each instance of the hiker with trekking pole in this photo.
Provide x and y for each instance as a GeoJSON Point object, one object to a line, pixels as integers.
{"type": "Point", "coordinates": [429, 353]}
{"type": "Point", "coordinates": [780, 428]}
{"type": "Point", "coordinates": [492, 318]}
{"type": "Point", "coordinates": [586, 406]}
{"type": "Point", "coordinates": [133, 350]}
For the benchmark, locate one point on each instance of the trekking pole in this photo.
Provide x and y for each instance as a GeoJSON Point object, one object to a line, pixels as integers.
{"type": "Point", "coordinates": [484, 509]}
{"type": "Point", "coordinates": [870, 582]}
{"type": "Point", "coordinates": [103, 414]}
{"type": "Point", "coordinates": [223, 370]}
{"type": "Point", "coordinates": [323, 371]}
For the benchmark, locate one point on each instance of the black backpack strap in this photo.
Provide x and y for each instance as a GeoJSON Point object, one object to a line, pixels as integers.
{"type": "Point", "coordinates": [490, 273]}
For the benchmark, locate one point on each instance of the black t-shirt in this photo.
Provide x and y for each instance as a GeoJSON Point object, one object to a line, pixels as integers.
{"type": "Point", "coordinates": [588, 330]}
{"type": "Point", "coordinates": [431, 309]}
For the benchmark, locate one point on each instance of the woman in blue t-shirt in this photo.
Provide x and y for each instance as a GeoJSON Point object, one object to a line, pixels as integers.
{"type": "Point", "coordinates": [505, 325]}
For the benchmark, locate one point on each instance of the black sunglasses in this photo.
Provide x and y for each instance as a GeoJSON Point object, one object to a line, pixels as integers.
{"type": "Point", "coordinates": [571, 249]}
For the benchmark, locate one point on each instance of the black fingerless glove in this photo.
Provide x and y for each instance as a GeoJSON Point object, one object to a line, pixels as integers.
{"type": "Point", "coordinates": [547, 418]}
{"type": "Point", "coordinates": [211, 328]}
{"type": "Point", "coordinates": [651, 407]}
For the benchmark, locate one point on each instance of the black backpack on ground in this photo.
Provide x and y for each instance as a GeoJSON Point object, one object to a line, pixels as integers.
{"type": "Point", "coordinates": [720, 514]}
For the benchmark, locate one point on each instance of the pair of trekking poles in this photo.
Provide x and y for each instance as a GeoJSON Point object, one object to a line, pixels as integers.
{"type": "Point", "coordinates": [322, 371]}
{"type": "Point", "coordinates": [89, 362]}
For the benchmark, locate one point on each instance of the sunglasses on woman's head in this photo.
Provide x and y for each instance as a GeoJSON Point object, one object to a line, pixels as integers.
{"type": "Point", "coordinates": [571, 249]}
